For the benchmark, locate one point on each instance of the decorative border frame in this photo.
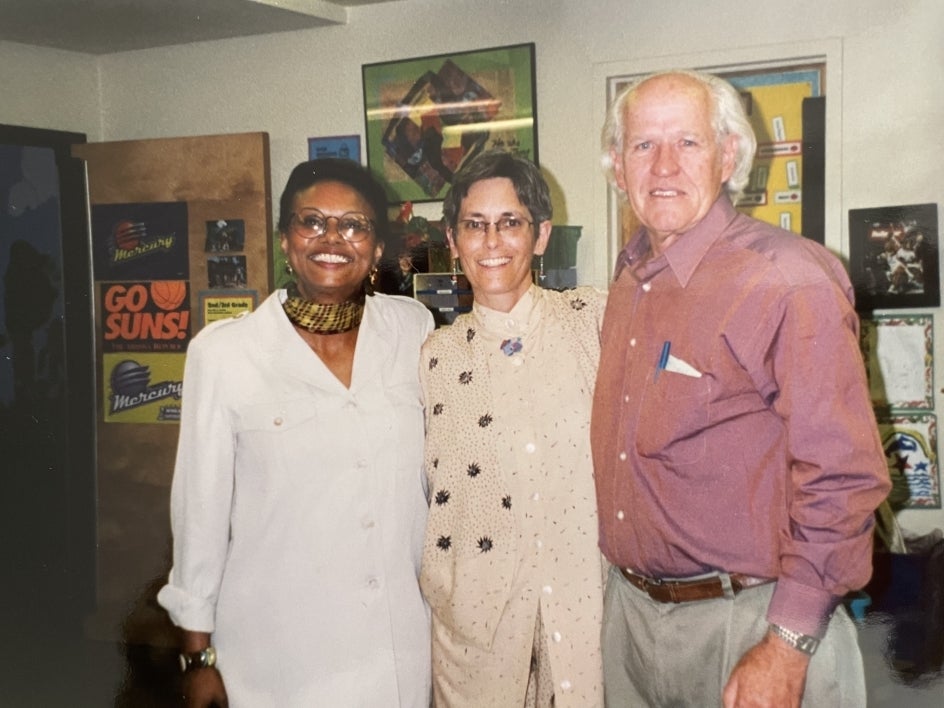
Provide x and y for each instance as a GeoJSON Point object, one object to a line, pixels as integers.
{"type": "Point", "coordinates": [424, 117]}
{"type": "Point", "coordinates": [893, 257]}
{"type": "Point", "coordinates": [910, 444]}
{"type": "Point", "coordinates": [345, 147]}
{"type": "Point", "coordinates": [893, 346]}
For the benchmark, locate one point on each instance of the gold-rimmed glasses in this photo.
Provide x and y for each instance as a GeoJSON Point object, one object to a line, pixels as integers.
{"type": "Point", "coordinates": [353, 226]}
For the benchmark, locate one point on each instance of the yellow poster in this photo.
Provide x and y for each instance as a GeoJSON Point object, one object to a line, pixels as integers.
{"type": "Point", "coordinates": [142, 387]}
{"type": "Point", "coordinates": [220, 306]}
{"type": "Point", "coordinates": [775, 108]}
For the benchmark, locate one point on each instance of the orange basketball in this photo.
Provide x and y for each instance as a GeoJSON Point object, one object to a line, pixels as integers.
{"type": "Point", "coordinates": [168, 294]}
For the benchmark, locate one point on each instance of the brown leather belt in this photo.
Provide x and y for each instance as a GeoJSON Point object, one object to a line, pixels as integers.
{"type": "Point", "coordinates": [690, 590]}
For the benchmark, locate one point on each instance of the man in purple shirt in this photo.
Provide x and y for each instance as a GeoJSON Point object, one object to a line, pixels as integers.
{"type": "Point", "coordinates": [737, 460]}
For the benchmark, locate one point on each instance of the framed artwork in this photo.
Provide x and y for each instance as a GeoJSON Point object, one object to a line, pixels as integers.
{"type": "Point", "coordinates": [425, 117]}
{"type": "Point", "coordinates": [910, 445]}
{"type": "Point", "coordinates": [344, 147]}
{"type": "Point", "coordinates": [898, 361]}
{"type": "Point", "coordinates": [893, 257]}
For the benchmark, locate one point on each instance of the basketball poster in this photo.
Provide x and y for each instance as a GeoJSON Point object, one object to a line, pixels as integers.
{"type": "Point", "coordinates": [142, 387]}
{"type": "Point", "coordinates": [138, 241]}
{"type": "Point", "coordinates": [148, 316]}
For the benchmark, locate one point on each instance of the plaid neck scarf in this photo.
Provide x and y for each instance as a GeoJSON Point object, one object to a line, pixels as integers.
{"type": "Point", "coordinates": [333, 318]}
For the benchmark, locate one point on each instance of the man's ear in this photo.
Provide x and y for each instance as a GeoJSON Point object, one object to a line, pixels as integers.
{"type": "Point", "coordinates": [728, 157]}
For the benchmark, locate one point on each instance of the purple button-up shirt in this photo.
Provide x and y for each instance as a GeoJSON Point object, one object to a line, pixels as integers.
{"type": "Point", "coordinates": [732, 427]}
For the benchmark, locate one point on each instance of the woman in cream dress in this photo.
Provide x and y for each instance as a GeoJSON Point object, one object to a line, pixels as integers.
{"type": "Point", "coordinates": [511, 567]}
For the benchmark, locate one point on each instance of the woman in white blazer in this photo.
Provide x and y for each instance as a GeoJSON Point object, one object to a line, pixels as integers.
{"type": "Point", "coordinates": [298, 501]}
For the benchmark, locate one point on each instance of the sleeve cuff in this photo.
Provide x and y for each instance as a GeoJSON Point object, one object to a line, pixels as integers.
{"type": "Point", "coordinates": [186, 611]}
{"type": "Point", "coordinates": [801, 608]}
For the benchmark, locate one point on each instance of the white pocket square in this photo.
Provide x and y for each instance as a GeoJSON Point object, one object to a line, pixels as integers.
{"type": "Point", "coordinates": [681, 367]}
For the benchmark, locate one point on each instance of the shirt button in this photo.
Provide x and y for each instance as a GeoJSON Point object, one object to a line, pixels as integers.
{"type": "Point", "coordinates": [517, 361]}
{"type": "Point", "coordinates": [530, 447]}
{"type": "Point", "coordinates": [646, 287]}
{"type": "Point", "coordinates": [556, 636]}
{"type": "Point", "coordinates": [547, 589]}
{"type": "Point", "coordinates": [510, 324]}
{"type": "Point", "coordinates": [632, 342]}
{"type": "Point", "coordinates": [367, 524]}
{"type": "Point", "coordinates": [539, 543]}
{"type": "Point", "coordinates": [626, 398]}
{"type": "Point", "coordinates": [622, 457]}
{"type": "Point", "coordinates": [565, 685]}
{"type": "Point", "coordinates": [373, 583]}
{"type": "Point", "coordinates": [620, 515]}
{"type": "Point", "coordinates": [535, 497]}
{"type": "Point", "coordinates": [278, 421]}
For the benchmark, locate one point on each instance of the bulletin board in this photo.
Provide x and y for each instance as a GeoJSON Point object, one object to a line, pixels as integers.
{"type": "Point", "coordinates": [180, 227]}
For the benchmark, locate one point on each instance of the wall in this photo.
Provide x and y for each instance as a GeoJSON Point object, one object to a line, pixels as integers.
{"type": "Point", "coordinates": [308, 83]}
{"type": "Point", "coordinates": [45, 88]}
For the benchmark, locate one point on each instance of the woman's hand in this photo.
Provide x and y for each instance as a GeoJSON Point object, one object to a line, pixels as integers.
{"type": "Point", "coordinates": [203, 688]}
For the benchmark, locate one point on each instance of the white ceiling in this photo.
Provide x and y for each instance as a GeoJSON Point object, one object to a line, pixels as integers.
{"type": "Point", "coordinates": [109, 26]}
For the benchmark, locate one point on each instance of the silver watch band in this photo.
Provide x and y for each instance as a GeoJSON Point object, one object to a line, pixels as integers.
{"type": "Point", "coordinates": [800, 642]}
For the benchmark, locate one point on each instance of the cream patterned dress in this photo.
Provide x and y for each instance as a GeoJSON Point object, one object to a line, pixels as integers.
{"type": "Point", "coordinates": [511, 542]}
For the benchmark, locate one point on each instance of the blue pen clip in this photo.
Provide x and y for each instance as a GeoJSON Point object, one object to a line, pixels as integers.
{"type": "Point", "coordinates": [663, 358]}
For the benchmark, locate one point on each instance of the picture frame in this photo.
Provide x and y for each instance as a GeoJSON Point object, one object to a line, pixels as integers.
{"type": "Point", "coordinates": [893, 257]}
{"type": "Point", "coordinates": [425, 117]}
{"type": "Point", "coordinates": [910, 445]}
{"type": "Point", "coordinates": [899, 362]}
{"type": "Point", "coordinates": [344, 147]}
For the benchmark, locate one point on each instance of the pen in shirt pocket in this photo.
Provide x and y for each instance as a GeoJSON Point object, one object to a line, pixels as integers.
{"type": "Point", "coordinates": [663, 358]}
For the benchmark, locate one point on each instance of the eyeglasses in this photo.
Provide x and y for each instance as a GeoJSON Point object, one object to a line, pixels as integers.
{"type": "Point", "coordinates": [507, 225]}
{"type": "Point", "coordinates": [352, 226]}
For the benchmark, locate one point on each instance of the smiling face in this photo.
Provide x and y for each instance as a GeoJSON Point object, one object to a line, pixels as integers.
{"type": "Point", "coordinates": [329, 269]}
{"type": "Point", "coordinates": [498, 265]}
{"type": "Point", "coordinates": [672, 166]}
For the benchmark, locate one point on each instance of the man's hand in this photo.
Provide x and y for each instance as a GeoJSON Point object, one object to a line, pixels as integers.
{"type": "Point", "coordinates": [203, 688]}
{"type": "Point", "coordinates": [771, 674]}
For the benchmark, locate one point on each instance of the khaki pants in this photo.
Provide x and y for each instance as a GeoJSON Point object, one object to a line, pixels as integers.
{"type": "Point", "coordinates": [667, 655]}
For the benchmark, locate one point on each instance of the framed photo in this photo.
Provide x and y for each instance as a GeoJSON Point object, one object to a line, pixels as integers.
{"type": "Point", "coordinates": [910, 444]}
{"type": "Point", "coordinates": [899, 361]}
{"type": "Point", "coordinates": [344, 147]}
{"type": "Point", "coordinates": [893, 257]}
{"type": "Point", "coordinates": [425, 117]}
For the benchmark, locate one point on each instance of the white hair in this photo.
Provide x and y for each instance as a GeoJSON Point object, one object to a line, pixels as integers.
{"type": "Point", "coordinates": [728, 118]}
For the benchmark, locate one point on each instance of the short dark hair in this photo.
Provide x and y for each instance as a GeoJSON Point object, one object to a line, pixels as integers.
{"type": "Point", "coordinates": [348, 172]}
{"type": "Point", "coordinates": [528, 182]}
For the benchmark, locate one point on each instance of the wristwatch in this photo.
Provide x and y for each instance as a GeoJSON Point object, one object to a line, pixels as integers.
{"type": "Point", "coordinates": [800, 642]}
{"type": "Point", "coordinates": [197, 659]}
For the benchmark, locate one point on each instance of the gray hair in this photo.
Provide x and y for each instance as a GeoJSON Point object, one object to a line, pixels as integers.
{"type": "Point", "coordinates": [728, 118]}
{"type": "Point", "coordinates": [526, 178]}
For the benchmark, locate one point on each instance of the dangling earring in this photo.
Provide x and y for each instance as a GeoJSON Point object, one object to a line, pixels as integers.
{"type": "Point", "coordinates": [370, 281]}
{"type": "Point", "coordinates": [541, 275]}
{"type": "Point", "coordinates": [455, 271]}
{"type": "Point", "coordinates": [288, 269]}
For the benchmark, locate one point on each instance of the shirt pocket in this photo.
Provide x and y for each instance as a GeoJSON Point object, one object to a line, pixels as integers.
{"type": "Point", "coordinates": [277, 433]}
{"type": "Point", "coordinates": [673, 416]}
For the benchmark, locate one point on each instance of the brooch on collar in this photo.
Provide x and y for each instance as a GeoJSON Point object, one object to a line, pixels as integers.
{"type": "Point", "coordinates": [510, 347]}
